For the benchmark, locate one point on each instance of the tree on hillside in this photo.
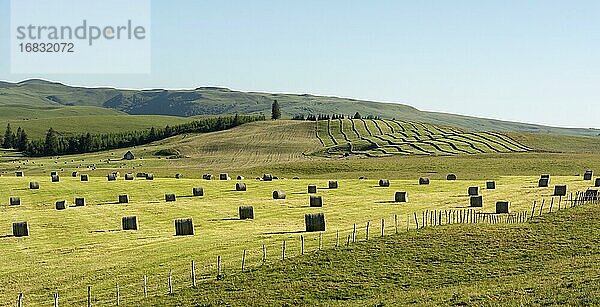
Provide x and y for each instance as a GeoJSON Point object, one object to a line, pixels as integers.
{"type": "Point", "coordinates": [21, 140]}
{"type": "Point", "coordinates": [275, 110]}
{"type": "Point", "coordinates": [357, 115]}
{"type": "Point", "coordinates": [8, 140]}
{"type": "Point", "coordinates": [51, 143]}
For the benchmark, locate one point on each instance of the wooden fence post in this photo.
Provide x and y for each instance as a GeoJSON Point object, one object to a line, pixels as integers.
{"type": "Point", "coordinates": [337, 238]}
{"type": "Point", "coordinates": [89, 296]}
{"type": "Point", "coordinates": [367, 236]}
{"type": "Point", "coordinates": [302, 244]}
{"type": "Point", "coordinates": [243, 259]}
{"type": "Point", "coordinates": [416, 220]}
{"type": "Point", "coordinates": [396, 223]}
{"type": "Point", "coordinates": [320, 240]}
{"type": "Point", "coordinates": [170, 281]}
{"type": "Point", "coordinates": [55, 299]}
{"type": "Point", "coordinates": [533, 209]}
{"type": "Point", "coordinates": [118, 295]}
{"type": "Point", "coordinates": [193, 274]}
{"type": "Point", "coordinates": [20, 300]}
{"type": "Point", "coordinates": [218, 267]}
{"type": "Point", "coordinates": [283, 251]}
{"type": "Point", "coordinates": [382, 227]}
{"type": "Point", "coordinates": [145, 286]}
{"type": "Point", "coordinates": [542, 207]}
{"type": "Point", "coordinates": [264, 259]}
{"type": "Point", "coordinates": [407, 222]}
{"type": "Point", "coordinates": [551, 204]}
{"type": "Point", "coordinates": [354, 233]}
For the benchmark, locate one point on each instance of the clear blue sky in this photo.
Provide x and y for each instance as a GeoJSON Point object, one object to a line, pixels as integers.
{"type": "Point", "coordinates": [531, 61]}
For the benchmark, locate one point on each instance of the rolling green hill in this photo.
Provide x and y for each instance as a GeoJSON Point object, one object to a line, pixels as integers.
{"type": "Point", "coordinates": [212, 101]}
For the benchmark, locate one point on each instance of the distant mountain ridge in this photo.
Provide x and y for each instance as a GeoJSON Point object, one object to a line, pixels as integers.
{"type": "Point", "coordinates": [37, 93]}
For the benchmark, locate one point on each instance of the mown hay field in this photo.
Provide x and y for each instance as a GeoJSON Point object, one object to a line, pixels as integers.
{"type": "Point", "coordinates": [68, 250]}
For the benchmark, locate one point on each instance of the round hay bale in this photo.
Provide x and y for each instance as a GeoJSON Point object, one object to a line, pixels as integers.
{"type": "Point", "coordinates": [123, 199]}
{"type": "Point", "coordinates": [451, 177]}
{"type": "Point", "coordinates": [33, 185]}
{"type": "Point", "coordinates": [490, 185]}
{"type": "Point", "coordinates": [184, 227]}
{"type": "Point", "coordinates": [476, 201]}
{"type": "Point", "coordinates": [314, 222]}
{"type": "Point", "coordinates": [20, 229]}
{"type": "Point", "coordinates": [129, 176]}
{"type": "Point", "coordinates": [21, 174]}
{"type": "Point", "coordinates": [111, 177]}
{"type": "Point", "coordinates": [246, 212]}
{"type": "Point", "coordinates": [240, 186]}
{"type": "Point", "coordinates": [473, 191]}
{"type": "Point", "coordinates": [315, 201]}
{"type": "Point", "coordinates": [502, 207]}
{"type": "Point", "coordinates": [141, 175]}
{"type": "Point", "coordinates": [384, 183]}
{"type": "Point", "coordinates": [423, 181]}
{"type": "Point", "coordinates": [312, 189]}
{"type": "Point", "coordinates": [240, 177]}
{"type": "Point", "coordinates": [207, 176]}
{"type": "Point", "coordinates": [129, 223]}
{"type": "Point", "coordinates": [170, 197]}
{"type": "Point", "coordinates": [79, 201]}
{"type": "Point", "coordinates": [588, 175]}
{"type": "Point", "coordinates": [597, 183]}
{"type": "Point", "coordinates": [279, 194]}
{"type": "Point", "coordinates": [198, 191]}
{"type": "Point", "coordinates": [544, 182]}
{"type": "Point", "coordinates": [560, 190]}
{"type": "Point", "coordinates": [61, 205]}
{"type": "Point", "coordinates": [74, 174]}
{"type": "Point", "coordinates": [267, 177]}
{"type": "Point", "coordinates": [53, 173]}
{"type": "Point", "coordinates": [401, 197]}
{"type": "Point", "coordinates": [333, 184]}
{"type": "Point", "coordinates": [15, 201]}
{"type": "Point", "coordinates": [55, 178]}
{"type": "Point", "coordinates": [178, 176]}
{"type": "Point", "coordinates": [149, 176]}
{"type": "Point", "coordinates": [84, 177]}
{"type": "Point", "coordinates": [117, 174]}
{"type": "Point", "coordinates": [224, 176]}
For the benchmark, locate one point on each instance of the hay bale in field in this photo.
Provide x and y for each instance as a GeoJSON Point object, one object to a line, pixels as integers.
{"type": "Point", "coordinates": [33, 185]}
{"type": "Point", "coordinates": [224, 176]}
{"type": "Point", "coordinates": [184, 227]}
{"type": "Point", "coordinates": [401, 197]}
{"type": "Point", "coordinates": [333, 184]}
{"type": "Point", "coordinates": [178, 176]}
{"type": "Point", "coordinates": [560, 190]}
{"type": "Point", "coordinates": [502, 207]}
{"type": "Point", "coordinates": [141, 175]}
{"type": "Point", "coordinates": [149, 176]}
{"type": "Point", "coordinates": [490, 185]}
{"type": "Point", "coordinates": [129, 176]}
{"type": "Point", "coordinates": [53, 173]}
{"type": "Point", "coordinates": [314, 222]}
{"type": "Point", "coordinates": [597, 183]}
{"type": "Point", "coordinates": [473, 191]}
{"type": "Point", "coordinates": [20, 229]}
{"type": "Point", "coordinates": [20, 174]}
{"type": "Point", "coordinates": [79, 201]}
{"type": "Point", "coordinates": [451, 177]}
{"type": "Point", "coordinates": [543, 182]}
{"type": "Point", "coordinates": [55, 178]}
{"type": "Point", "coordinates": [84, 177]}
{"type": "Point", "coordinates": [588, 175]}
{"type": "Point", "coordinates": [170, 197]}
{"type": "Point", "coordinates": [74, 174]}
{"type": "Point", "coordinates": [129, 223]}
{"type": "Point", "coordinates": [312, 189]}
{"type": "Point", "coordinates": [384, 183]}
{"type": "Point", "coordinates": [240, 177]}
{"type": "Point", "coordinates": [296, 178]}
{"type": "Point", "coordinates": [123, 199]}
{"type": "Point", "coordinates": [240, 186]}
{"type": "Point", "coordinates": [207, 176]}
{"type": "Point", "coordinates": [246, 213]}
{"type": "Point", "coordinates": [476, 201]}
{"type": "Point", "coordinates": [423, 181]}
{"type": "Point", "coordinates": [279, 194]}
{"type": "Point", "coordinates": [198, 191]}
{"type": "Point", "coordinates": [111, 177]}
{"type": "Point", "coordinates": [15, 201]}
{"type": "Point", "coordinates": [267, 177]}
{"type": "Point", "coordinates": [117, 174]}
{"type": "Point", "coordinates": [315, 201]}
{"type": "Point", "coordinates": [61, 205]}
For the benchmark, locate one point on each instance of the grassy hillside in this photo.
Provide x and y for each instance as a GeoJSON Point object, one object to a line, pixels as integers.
{"type": "Point", "coordinates": [211, 101]}
{"type": "Point", "coordinates": [70, 249]}
{"type": "Point", "coordinates": [551, 261]}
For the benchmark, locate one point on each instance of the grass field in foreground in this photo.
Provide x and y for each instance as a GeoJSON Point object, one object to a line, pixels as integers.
{"type": "Point", "coordinates": [69, 250]}
{"type": "Point", "coordinates": [553, 260]}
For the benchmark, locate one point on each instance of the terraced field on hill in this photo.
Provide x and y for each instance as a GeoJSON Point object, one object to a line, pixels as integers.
{"type": "Point", "coordinates": [384, 137]}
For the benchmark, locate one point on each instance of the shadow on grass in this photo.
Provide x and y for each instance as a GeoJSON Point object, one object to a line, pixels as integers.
{"type": "Point", "coordinates": [284, 232]}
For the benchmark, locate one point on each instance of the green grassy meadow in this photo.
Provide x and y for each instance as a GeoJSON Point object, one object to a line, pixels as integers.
{"type": "Point", "coordinates": [80, 246]}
